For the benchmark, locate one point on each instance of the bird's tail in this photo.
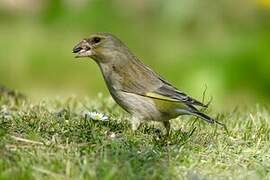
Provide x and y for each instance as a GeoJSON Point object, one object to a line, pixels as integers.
{"type": "Point", "coordinates": [205, 117]}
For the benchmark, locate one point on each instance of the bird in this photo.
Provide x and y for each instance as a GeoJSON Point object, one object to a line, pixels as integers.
{"type": "Point", "coordinates": [139, 90]}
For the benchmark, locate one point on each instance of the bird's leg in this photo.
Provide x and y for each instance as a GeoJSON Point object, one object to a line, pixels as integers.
{"type": "Point", "coordinates": [135, 123]}
{"type": "Point", "coordinates": [167, 127]}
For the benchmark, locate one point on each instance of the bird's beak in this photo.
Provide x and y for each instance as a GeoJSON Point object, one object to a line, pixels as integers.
{"type": "Point", "coordinates": [82, 49]}
{"type": "Point", "coordinates": [76, 49]}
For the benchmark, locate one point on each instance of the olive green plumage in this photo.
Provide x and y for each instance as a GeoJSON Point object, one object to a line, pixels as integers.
{"type": "Point", "coordinates": [134, 86]}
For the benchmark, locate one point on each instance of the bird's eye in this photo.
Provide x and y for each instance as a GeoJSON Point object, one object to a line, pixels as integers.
{"type": "Point", "coordinates": [96, 40]}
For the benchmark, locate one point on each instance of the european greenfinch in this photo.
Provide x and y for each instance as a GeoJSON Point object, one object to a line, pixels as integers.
{"type": "Point", "coordinates": [134, 86]}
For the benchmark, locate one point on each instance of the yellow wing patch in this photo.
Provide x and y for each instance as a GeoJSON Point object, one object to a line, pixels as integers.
{"type": "Point", "coordinates": [161, 97]}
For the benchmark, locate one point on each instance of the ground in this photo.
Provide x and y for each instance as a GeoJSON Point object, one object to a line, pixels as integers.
{"type": "Point", "coordinates": [54, 139]}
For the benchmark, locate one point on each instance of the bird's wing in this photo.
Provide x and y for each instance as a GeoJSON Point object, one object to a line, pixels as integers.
{"type": "Point", "coordinates": [150, 84]}
{"type": "Point", "coordinates": [170, 93]}
{"type": "Point", "coordinates": [165, 91]}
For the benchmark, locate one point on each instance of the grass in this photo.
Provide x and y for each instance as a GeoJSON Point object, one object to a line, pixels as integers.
{"type": "Point", "coordinates": [53, 140]}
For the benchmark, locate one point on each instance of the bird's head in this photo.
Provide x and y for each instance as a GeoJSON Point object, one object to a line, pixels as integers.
{"type": "Point", "coordinates": [101, 47]}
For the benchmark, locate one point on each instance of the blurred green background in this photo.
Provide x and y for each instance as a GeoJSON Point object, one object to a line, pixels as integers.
{"type": "Point", "coordinates": [222, 45]}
